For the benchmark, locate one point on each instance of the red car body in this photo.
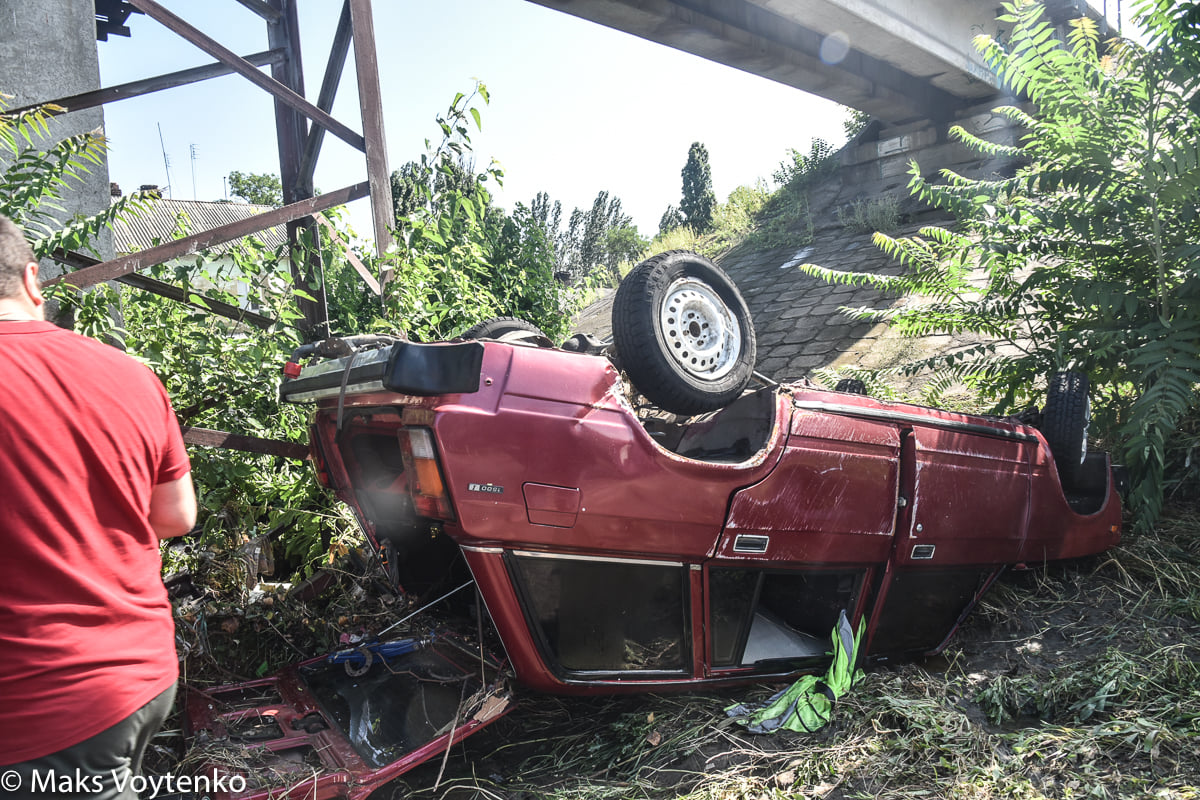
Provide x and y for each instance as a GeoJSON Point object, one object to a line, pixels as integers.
{"type": "Point", "coordinates": [619, 554]}
{"type": "Point", "coordinates": [335, 726]}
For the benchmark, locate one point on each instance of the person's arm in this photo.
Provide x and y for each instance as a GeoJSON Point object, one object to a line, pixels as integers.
{"type": "Point", "coordinates": [173, 507]}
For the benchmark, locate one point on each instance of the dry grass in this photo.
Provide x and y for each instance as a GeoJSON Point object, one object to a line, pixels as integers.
{"type": "Point", "coordinates": [1074, 681]}
{"type": "Point", "coordinates": [1077, 680]}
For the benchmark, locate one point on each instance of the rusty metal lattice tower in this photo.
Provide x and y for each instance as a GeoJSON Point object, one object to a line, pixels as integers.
{"type": "Point", "coordinates": [301, 126]}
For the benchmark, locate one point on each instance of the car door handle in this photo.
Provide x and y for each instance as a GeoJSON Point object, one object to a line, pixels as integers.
{"type": "Point", "coordinates": [750, 543]}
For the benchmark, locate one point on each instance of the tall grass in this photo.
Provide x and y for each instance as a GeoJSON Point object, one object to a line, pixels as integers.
{"type": "Point", "coordinates": [1076, 680]}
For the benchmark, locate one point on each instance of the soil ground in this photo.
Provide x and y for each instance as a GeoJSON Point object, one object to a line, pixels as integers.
{"type": "Point", "coordinates": [1041, 651]}
{"type": "Point", "coordinates": [1074, 680]}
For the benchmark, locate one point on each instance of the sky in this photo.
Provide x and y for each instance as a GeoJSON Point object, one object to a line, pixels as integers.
{"type": "Point", "coordinates": [576, 108]}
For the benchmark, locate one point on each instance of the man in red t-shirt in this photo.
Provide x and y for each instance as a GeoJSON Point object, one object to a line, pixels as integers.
{"type": "Point", "coordinates": [93, 473]}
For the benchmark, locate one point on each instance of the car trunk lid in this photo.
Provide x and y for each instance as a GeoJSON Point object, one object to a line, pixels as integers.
{"type": "Point", "coordinates": [340, 725]}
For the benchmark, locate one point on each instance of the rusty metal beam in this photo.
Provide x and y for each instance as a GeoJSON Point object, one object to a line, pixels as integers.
{"type": "Point", "coordinates": [291, 131]}
{"type": "Point", "coordinates": [304, 276]}
{"type": "Point", "coordinates": [250, 72]}
{"type": "Point", "coordinates": [124, 91]}
{"type": "Point", "coordinates": [291, 128]}
{"type": "Point", "coordinates": [148, 284]}
{"type": "Point", "coordinates": [366, 63]}
{"type": "Point", "coordinates": [262, 8]}
{"type": "Point", "coordinates": [354, 260]}
{"type": "Point", "coordinates": [205, 437]}
{"type": "Point", "coordinates": [111, 270]}
{"type": "Point", "coordinates": [329, 86]}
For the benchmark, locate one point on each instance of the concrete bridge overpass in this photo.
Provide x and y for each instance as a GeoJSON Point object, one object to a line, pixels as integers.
{"type": "Point", "coordinates": [898, 60]}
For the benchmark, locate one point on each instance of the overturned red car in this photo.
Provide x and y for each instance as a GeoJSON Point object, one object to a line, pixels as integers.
{"type": "Point", "coordinates": [616, 550]}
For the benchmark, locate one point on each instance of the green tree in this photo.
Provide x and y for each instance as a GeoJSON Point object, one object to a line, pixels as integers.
{"type": "Point", "coordinates": [259, 188]}
{"type": "Point", "coordinates": [599, 240]}
{"type": "Point", "coordinates": [595, 227]}
{"type": "Point", "coordinates": [855, 122]}
{"type": "Point", "coordinates": [1087, 258]}
{"type": "Point", "coordinates": [698, 199]}
{"type": "Point", "coordinates": [670, 220]}
{"type": "Point", "coordinates": [460, 259]}
{"type": "Point", "coordinates": [548, 217]}
{"type": "Point", "coordinates": [406, 197]}
{"type": "Point", "coordinates": [802, 170]}
{"type": "Point", "coordinates": [413, 185]}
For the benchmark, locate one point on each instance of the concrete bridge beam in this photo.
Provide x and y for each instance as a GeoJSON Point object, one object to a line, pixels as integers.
{"type": "Point", "coordinates": [898, 60]}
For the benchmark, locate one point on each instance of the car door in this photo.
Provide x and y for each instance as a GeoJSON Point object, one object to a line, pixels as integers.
{"type": "Point", "coordinates": [965, 513]}
{"type": "Point", "coordinates": [802, 545]}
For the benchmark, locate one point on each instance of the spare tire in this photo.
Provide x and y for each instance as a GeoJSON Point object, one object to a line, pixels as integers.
{"type": "Point", "coordinates": [1065, 420]}
{"type": "Point", "coordinates": [506, 329]}
{"type": "Point", "coordinates": [683, 334]}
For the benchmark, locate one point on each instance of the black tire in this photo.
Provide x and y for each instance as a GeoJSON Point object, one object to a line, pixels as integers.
{"type": "Point", "coordinates": [505, 329]}
{"type": "Point", "coordinates": [1065, 421]}
{"type": "Point", "coordinates": [686, 370]}
{"type": "Point", "coordinates": [851, 386]}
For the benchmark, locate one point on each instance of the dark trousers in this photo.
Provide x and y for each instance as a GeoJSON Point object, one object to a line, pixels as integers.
{"type": "Point", "coordinates": [99, 768]}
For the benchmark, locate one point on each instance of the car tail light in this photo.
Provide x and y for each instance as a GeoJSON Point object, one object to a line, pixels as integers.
{"type": "Point", "coordinates": [425, 476]}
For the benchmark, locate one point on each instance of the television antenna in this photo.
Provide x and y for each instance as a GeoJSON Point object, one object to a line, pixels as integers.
{"type": "Point", "coordinates": [192, 150]}
{"type": "Point", "coordinates": [166, 159]}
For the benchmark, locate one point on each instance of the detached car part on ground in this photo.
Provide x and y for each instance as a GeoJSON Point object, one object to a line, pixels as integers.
{"type": "Point", "coordinates": [618, 553]}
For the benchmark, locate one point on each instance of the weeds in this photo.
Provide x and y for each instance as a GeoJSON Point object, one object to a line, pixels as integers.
{"type": "Point", "coordinates": [757, 216]}
{"type": "Point", "coordinates": [1070, 681]}
{"type": "Point", "coordinates": [871, 214]}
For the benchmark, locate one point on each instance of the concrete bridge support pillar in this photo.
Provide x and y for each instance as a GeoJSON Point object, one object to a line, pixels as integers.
{"type": "Point", "coordinates": [877, 163]}
{"type": "Point", "coordinates": [48, 50]}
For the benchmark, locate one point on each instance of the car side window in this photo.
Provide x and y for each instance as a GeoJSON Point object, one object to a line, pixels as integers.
{"type": "Point", "coordinates": [606, 615]}
{"type": "Point", "coordinates": [764, 616]}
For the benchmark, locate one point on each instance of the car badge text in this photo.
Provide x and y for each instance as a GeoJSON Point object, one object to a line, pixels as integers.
{"type": "Point", "coordinates": [486, 488]}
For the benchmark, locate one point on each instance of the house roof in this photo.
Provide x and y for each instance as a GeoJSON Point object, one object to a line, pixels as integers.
{"type": "Point", "coordinates": [161, 222]}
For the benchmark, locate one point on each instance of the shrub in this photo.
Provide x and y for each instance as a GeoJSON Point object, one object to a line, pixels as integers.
{"type": "Point", "coordinates": [1087, 258]}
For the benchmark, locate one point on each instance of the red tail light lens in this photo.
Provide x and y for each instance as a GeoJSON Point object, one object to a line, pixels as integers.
{"type": "Point", "coordinates": [428, 488]}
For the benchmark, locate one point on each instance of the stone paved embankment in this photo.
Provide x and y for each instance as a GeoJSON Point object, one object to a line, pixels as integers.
{"type": "Point", "coordinates": [797, 317]}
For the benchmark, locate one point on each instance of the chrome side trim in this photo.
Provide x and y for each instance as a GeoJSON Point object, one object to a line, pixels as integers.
{"type": "Point", "coordinates": [603, 559]}
{"type": "Point", "coordinates": [916, 419]}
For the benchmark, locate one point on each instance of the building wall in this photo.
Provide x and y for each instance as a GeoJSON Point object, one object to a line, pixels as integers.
{"type": "Point", "coordinates": [47, 51]}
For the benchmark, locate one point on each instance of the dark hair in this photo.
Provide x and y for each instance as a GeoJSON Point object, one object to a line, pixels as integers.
{"type": "Point", "coordinates": [15, 253]}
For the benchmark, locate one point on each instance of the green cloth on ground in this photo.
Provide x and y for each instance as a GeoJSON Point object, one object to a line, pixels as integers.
{"type": "Point", "coordinates": [807, 705]}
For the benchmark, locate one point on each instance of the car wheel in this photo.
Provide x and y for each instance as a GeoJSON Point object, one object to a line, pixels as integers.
{"type": "Point", "coordinates": [505, 329]}
{"type": "Point", "coordinates": [851, 386]}
{"type": "Point", "coordinates": [683, 334]}
{"type": "Point", "coordinates": [1065, 420]}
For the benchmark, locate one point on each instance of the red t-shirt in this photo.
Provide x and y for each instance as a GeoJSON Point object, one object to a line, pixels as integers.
{"type": "Point", "coordinates": [86, 634]}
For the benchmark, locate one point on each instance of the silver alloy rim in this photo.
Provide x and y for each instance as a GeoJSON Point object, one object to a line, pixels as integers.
{"type": "Point", "coordinates": [701, 333]}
